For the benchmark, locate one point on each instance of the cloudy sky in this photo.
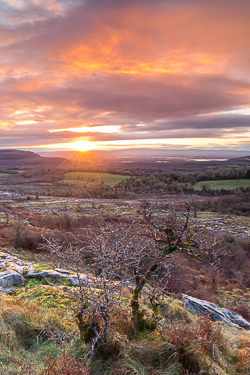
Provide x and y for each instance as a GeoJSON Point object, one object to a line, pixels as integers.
{"type": "Point", "coordinates": [80, 74]}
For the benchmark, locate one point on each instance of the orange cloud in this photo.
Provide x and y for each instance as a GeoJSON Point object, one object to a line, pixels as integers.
{"type": "Point", "coordinates": [148, 40]}
{"type": "Point", "coordinates": [97, 64]}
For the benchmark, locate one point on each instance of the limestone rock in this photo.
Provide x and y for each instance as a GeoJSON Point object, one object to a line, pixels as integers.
{"type": "Point", "coordinates": [13, 270]}
{"type": "Point", "coordinates": [209, 309]}
{"type": "Point", "coordinates": [63, 271]}
{"type": "Point", "coordinates": [3, 255]}
{"type": "Point", "coordinates": [18, 268]}
{"type": "Point", "coordinates": [6, 290]}
{"type": "Point", "coordinates": [79, 279]}
{"type": "Point", "coordinates": [31, 271]}
{"type": "Point", "coordinates": [45, 273]}
{"type": "Point", "coordinates": [10, 277]}
{"type": "Point", "coordinates": [236, 318]}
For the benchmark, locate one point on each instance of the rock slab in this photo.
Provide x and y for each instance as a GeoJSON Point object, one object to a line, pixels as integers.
{"type": "Point", "coordinates": [44, 273]}
{"type": "Point", "coordinates": [209, 309]}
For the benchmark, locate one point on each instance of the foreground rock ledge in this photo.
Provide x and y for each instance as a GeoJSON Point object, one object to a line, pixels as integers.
{"type": "Point", "coordinates": [12, 274]}
{"type": "Point", "coordinates": [209, 309]}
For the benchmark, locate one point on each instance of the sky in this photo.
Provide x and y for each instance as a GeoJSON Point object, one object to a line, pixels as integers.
{"type": "Point", "coordinates": [108, 74]}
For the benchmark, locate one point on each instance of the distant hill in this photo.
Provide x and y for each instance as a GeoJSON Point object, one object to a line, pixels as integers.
{"type": "Point", "coordinates": [19, 158]}
{"type": "Point", "coordinates": [147, 153]}
{"type": "Point", "coordinates": [7, 155]}
{"type": "Point", "coordinates": [245, 160]}
{"type": "Point", "coordinates": [119, 159]}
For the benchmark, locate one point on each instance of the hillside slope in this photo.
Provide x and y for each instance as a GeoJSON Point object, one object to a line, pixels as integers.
{"type": "Point", "coordinates": [18, 158]}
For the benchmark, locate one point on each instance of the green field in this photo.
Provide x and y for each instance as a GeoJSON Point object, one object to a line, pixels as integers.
{"type": "Point", "coordinates": [92, 178]}
{"type": "Point", "coordinates": [44, 183]}
{"type": "Point", "coordinates": [5, 174]}
{"type": "Point", "coordinates": [223, 184]}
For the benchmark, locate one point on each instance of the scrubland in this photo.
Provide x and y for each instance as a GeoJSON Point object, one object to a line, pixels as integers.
{"type": "Point", "coordinates": [40, 333]}
{"type": "Point", "coordinates": [130, 317]}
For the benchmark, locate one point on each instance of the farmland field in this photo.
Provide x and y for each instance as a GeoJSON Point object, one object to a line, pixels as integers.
{"type": "Point", "coordinates": [5, 174]}
{"type": "Point", "coordinates": [223, 184]}
{"type": "Point", "coordinates": [92, 178]}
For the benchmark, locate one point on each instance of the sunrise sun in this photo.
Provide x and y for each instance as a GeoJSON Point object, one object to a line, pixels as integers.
{"type": "Point", "coordinates": [83, 146]}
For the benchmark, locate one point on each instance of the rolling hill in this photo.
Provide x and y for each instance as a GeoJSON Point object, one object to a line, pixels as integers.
{"type": "Point", "coordinates": [18, 158]}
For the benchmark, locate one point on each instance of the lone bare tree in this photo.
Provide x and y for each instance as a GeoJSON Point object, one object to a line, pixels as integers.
{"type": "Point", "coordinates": [170, 233]}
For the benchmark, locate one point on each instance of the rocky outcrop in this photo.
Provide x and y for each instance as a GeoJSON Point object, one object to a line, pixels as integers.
{"type": "Point", "coordinates": [11, 262]}
{"type": "Point", "coordinates": [12, 271]}
{"type": "Point", "coordinates": [209, 309]}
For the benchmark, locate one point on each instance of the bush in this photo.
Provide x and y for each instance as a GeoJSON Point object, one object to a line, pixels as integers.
{"type": "Point", "coordinates": [25, 237]}
{"type": "Point", "coordinates": [63, 366]}
{"type": "Point", "coordinates": [21, 319]}
{"type": "Point", "coordinates": [52, 366]}
{"type": "Point", "coordinates": [193, 344]}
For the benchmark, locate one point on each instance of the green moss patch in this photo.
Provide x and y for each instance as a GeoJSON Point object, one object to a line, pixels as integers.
{"type": "Point", "coordinates": [48, 296]}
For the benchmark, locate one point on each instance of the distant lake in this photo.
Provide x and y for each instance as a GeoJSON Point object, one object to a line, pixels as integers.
{"type": "Point", "coordinates": [207, 159]}
{"type": "Point", "coordinates": [182, 159]}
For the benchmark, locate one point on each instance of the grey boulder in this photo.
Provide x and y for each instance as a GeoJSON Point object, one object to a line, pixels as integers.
{"type": "Point", "coordinates": [209, 309]}
{"type": "Point", "coordinates": [10, 277]}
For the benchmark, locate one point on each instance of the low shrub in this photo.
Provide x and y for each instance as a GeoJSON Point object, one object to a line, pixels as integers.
{"type": "Point", "coordinates": [63, 366]}
{"type": "Point", "coordinates": [193, 344]}
{"type": "Point", "coordinates": [25, 237]}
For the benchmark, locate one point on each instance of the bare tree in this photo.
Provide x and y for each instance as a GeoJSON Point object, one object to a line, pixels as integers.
{"type": "Point", "coordinates": [170, 232]}
{"type": "Point", "coordinates": [102, 261]}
